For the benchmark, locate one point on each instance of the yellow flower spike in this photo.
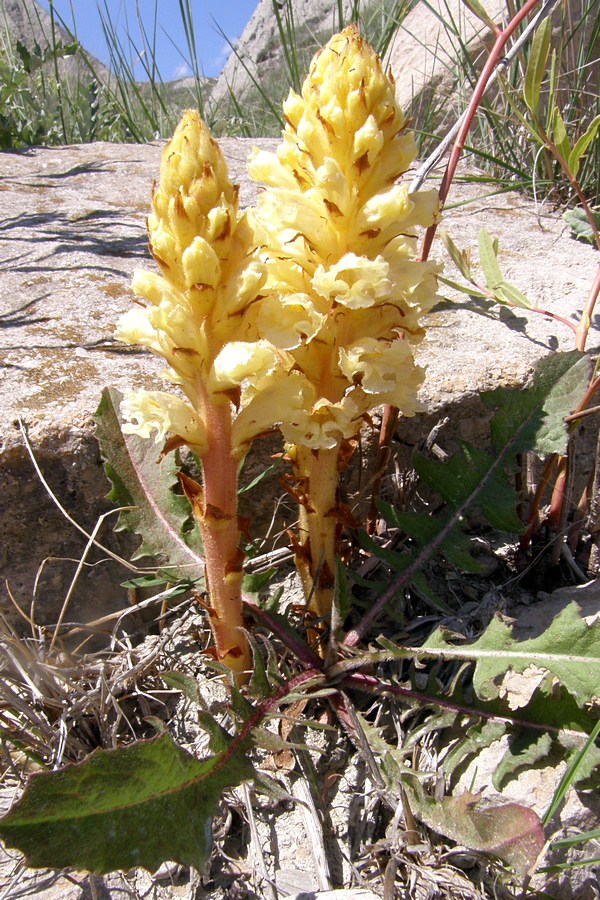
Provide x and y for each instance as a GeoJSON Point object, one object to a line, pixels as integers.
{"type": "Point", "coordinates": [195, 319]}
{"type": "Point", "coordinates": [340, 239]}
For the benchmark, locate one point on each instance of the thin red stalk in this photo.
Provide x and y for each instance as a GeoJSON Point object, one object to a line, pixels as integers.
{"type": "Point", "coordinates": [495, 57]}
{"type": "Point", "coordinates": [536, 503]}
{"type": "Point", "coordinates": [373, 685]}
{"type": "Point", "coordinates": [594, 386]}
{"type": "Point", "coordinates": [558, 493]}
{"type": "Point", "coordinates": [261, 712]}
{"type": "Point", "coordinates": [299, 648]}
{"type": "Point", "coordinates": [388, 426]}
{"type": "Point", "coordinates": [492, 61]}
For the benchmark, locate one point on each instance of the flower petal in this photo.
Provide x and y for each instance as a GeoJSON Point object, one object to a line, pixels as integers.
{"type": "Point", "coordinates": [147, 411]}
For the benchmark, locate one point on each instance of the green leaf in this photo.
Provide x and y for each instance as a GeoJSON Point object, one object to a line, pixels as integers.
{"type": "Point", "coordinates": [533, 419]}
{"type": "Point", "coordinates": [488, 260]}
{"type": "Point", "coordinates": [513, 833]}
{"type": "Point", "coordinates": [582, 144]}
{"type": "Point", "coordinates": [536, 66]}
{"type": "Point", "coordinates": [479, 10]}
{"type": "Point", "coordinates": [559, 133]}
{"type": "Point", "coordinates": [568, 648]}
{"type": "Point", "coordinates": [524, 751]}
{"type": "Point", "coordinates": [579, 224]}
{"type": "Point", "coordinates": [473, 473]}
{"type": "Point", "coordinates": [459, 257]}
{"type": "Point", "coordinates": [477, 737]}
{"type": "Point", "coordinates": [256, 581]}
{"type": "Point", "coordinates": [508, 293]}
{"type": "Point", "coordinates": [146, 485]}
{"type": "Point", "coordinates": [257, 480]}
{"type": "Point", "coordinates": [140, 805]}
{"type": "Point", "coordinates": [468, 289]}
{"type": "Point", "coordinates": [423, 528]}
{"type": "Point", "coordinates": [187, 684]}
{"type": "Point", "coordinates": [260, 685]}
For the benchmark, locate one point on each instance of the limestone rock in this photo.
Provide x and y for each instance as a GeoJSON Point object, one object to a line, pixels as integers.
{"type": "Point", "coordinates": [72, 232]}
{"type": "Point", "coordinates": [260, 48]}
{"type": "Point", "coordinates": [28, 22]}
{"type": "Point", "coordinates": [423, 55]}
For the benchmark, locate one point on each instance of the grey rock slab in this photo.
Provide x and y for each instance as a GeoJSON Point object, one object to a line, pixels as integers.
{"type": "Point", "coordinates": [423, 52]}
{"type": "Point", "coordinates": [72, 230]}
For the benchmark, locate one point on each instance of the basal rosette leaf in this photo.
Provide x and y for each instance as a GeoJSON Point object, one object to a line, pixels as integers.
{"type": "Point", "coordinates": [473, 478]}
{"type": "Point", "coordinates": [569, 649]}
{"type": "Point", "coordinates": [533, 419]}
{"type": "Point", "coordinates": [140, 481]}
{"type": "Point", "coordinates": [512, 832]}
{"type": "Point", "coordinates": [139, 805]}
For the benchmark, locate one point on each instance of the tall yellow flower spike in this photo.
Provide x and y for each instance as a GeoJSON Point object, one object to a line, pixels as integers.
{"type": "Point", "coordinates": [344, 292]}
{"type": "Point", "coordinates": [193, 318]}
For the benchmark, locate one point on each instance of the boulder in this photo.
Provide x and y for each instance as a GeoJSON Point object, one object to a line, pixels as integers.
{"type": "Point", "coordinates": [73, 230]}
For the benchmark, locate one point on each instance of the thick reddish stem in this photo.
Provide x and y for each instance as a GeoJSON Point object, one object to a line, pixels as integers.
{"type": "Point", "coordinates": [215, 508]}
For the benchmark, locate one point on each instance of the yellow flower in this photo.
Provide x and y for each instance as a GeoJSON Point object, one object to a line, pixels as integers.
{"type": "Point", "coordinates": [156, 411]}
{"type": "Point", "coordinates": [345, 293]}
{"type": "Point", "coordinates": [340, 239]}
{"type": "Point", "coordinates": [194, 313]}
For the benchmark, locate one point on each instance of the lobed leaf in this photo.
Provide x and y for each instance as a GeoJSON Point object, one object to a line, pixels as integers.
{"type": "Point", "coordinates": [145, 484]}
{"type": "Point", "coordinates": [473, 477]}
{"type": "Point", "coordinates": [569, 648]}
{"type": "Point", "coordinates": [139, 805]}
{"type": "Point", "coordinates": [524, 751]}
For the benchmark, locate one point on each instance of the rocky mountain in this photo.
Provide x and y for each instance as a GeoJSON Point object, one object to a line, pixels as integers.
{"type": "Point", "coordinates": [422, 53]}
{"type": "Point", "coordinates": [259, 50]}
{"type": "Point", "coordinates": [25, 21]}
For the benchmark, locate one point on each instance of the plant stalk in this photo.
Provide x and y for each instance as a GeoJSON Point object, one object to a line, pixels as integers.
{"type": "Point", "coordinates": [215, 508]}
{"type": "Point", "coordinates": [317, 473]}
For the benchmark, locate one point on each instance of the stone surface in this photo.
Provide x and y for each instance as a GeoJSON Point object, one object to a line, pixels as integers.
{"type": "Point", "coordinates": [422, 54]}
{"type": "Point", "coordinates": [72, 230]}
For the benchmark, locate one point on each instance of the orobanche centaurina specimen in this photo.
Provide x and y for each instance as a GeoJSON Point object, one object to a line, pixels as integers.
{"type": "Point", "coordinates": [299, 316]}
{"type": "Point", "coordinates": [344, 292]}
{"type": "Point", "coordinates": [193, 318]}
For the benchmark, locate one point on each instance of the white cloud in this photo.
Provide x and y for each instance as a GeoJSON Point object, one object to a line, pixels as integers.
{"type": "Point", "coordinates": [218, 61]}
{"type": "Point", "coordinates": [182, 71]}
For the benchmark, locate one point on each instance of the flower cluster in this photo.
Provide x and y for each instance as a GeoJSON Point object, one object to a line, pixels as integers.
{"type": "Point", "coordinates": [344, 292]}
{"type": "Point", "coordinates": [300, 315]}
{"type": "Point", "coordinates": [193, 315]}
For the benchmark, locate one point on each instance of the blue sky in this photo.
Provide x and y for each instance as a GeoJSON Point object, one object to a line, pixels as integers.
{"type": "Point", "coordinates": [230, 15]}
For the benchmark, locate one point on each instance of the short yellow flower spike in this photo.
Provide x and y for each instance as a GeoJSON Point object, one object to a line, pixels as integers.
{"type": "Point", "coordinates": [193, 319]}
{"type": "Point", "coordinates": [340, 235]}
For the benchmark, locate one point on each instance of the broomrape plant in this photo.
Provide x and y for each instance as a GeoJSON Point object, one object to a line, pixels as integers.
{"type": "Point", "coordinates": [344, 292]}
{"type": "Point", "coordinates": [301, 315]}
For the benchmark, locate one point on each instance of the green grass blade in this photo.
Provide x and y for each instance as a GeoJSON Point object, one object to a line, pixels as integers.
{"type": "Point", "coordinates": [569, 775]}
